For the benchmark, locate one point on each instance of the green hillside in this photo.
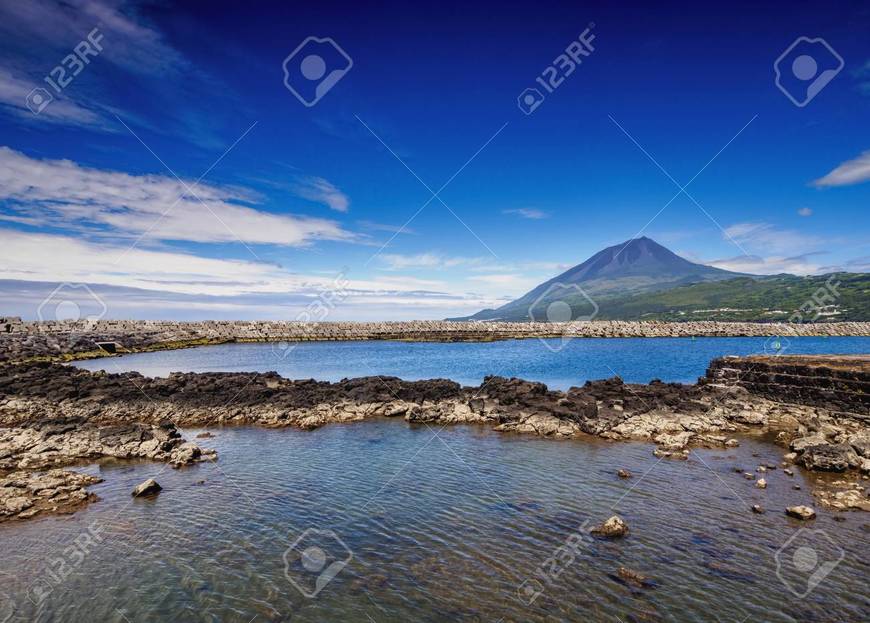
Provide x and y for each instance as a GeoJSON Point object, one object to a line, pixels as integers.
{"type": "Point", "coordinates": [749, 298]}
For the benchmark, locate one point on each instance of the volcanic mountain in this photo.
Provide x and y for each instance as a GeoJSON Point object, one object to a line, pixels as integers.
{"type": "Point", "coordinates": [633, 267]}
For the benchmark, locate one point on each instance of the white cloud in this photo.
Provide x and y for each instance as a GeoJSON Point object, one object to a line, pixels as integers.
{"type": "Point", "coordinates": [530, 213]}
{"type": "Point", "coordinates": [767, 238]}
{"type": "Point", "coordinates": [140, 281]}
{"type": "Point", "coordinates": [394, 229]}
{"type": "Point", "coordinates": [771, 265]}
{"type": "Point", "coordinates": [14, 92]}
{"type": "Point", "coordinates": [396, 261]}
{"type": "Point", "coordinates": [63, 193]}
{"type": "Point", "coordinates": [805, 212]}
{"type": "Point", "coordinates": [850, 172]}
{"type": "Point", "coordinates": [322, 191]}
{"type": "Point", "coordinates": [129, 42]}
{"type": "Point", "coordinates": [511, 281]}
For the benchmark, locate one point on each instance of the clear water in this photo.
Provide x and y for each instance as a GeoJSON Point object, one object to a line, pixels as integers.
{"type": "Point", "coordinates": [436, 528]}
{"type": "Point", "coordinates": [445, 524]}
{"type": "Point", "coordinates": [559, 365]}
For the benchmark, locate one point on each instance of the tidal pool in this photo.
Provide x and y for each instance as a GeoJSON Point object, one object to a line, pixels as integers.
{"type": "Point", "coordinates": [389, 522]}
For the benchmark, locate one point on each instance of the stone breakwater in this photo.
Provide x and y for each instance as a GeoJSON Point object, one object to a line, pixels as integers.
{"type": "Point", "coordinates": [25, 340]}
{"type": "Point", "coordinates": [85, 407]}
{"type": "Point", "coordinates": [839, 382]}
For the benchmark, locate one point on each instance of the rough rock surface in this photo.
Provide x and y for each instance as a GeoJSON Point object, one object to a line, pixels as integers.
{"type": "Point", "coordinates": [801, 512]}
{"type": "Point", "coordinates": [25, 494]}
{"type": "Point", "coordinates": [612, 528]}
{"type": "Point", "coordinates": [53, 415]}
{"type": "Point", "coordinates": [28, 449]}
{"type": "Point", "coordinates": [23, 340]}
{"type": "Point", "coordinates": [149, 487]}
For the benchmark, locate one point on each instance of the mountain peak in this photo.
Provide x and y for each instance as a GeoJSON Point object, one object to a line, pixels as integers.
{"type": "Point", "coordinates": [631, 267]}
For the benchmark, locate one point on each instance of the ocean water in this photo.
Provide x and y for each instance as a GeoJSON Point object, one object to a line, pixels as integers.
{"type": "Point", "coordinates": [384, 521]}
{"type": "Point", "coordinates": [556, 363]}
{"type": "Point", "coordinates": [389, 522]}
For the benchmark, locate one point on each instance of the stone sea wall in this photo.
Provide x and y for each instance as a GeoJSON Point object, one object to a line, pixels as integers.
{"type": "Point", "coordinates": [21, 340]}
{"type": "Point", "coordinates": [835, 382]}
{"type": "Point", "coordinates": [426, 329]}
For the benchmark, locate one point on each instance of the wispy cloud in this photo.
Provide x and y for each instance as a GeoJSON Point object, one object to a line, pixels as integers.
{"type": "Point", "coordinates": [850, 172]}
{"type": "Point", "coordinates": [393, 229]}
{"type": "Point", "coordinates": [135, 45]}
{"type": "Point", "coordinates": [529, 213]}
{"type": "Point", "coordinates": [62, 193]}
{"type": "Point", "coordinates": [805, 264]}
{"type": "Point", "coordinates": [14, 91]}
{"type": "Point", "coordinates": [323, 191]}
{"type": "Point", "coordinates": [805, 212]}
{"type": "Point", "coordinates": [767, 238]}
{"type": "Point", "coordinates": [155, 283]}
{"type": "Point", "coordinates": [395, 261]}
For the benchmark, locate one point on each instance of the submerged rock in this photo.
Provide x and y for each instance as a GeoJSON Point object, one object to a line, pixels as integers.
{"type": "Point", "coordinates": [756, 508]}
{"type": "Point", "coordinates": [761, 484]}
{"type": "Point", "coordinates": [633, 577]}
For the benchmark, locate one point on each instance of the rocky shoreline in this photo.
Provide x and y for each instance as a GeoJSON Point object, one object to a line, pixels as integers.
{"type": "Point", "coordinates": [55, 415]}
{"type": "Point", "coordinates": [21, 340]}
{"type": "Point", "coordinates": [33, 453]}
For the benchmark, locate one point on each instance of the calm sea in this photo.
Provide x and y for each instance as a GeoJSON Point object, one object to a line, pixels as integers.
{"type": "Point", "coordinates": [559, 365]}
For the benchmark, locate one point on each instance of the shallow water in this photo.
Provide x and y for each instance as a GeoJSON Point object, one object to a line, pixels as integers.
{"type": "Point", "coordinates": [442, 527]}
{"type": "Point", "coordinates": [559, 365]}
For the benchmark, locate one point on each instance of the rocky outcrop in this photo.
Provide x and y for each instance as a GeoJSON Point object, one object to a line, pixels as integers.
{"type": "Point", "coordinates": [63, 441]}
{"type": "Point", "coordinates": [54, 415]}
{"type": "Point", "coordinates": [25, 494]}
{"type": "Point", "coordinates": [32, 453]}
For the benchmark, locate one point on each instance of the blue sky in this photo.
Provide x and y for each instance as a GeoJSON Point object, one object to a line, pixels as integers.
{"type": "Point", "coordinates": [177, 176]}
